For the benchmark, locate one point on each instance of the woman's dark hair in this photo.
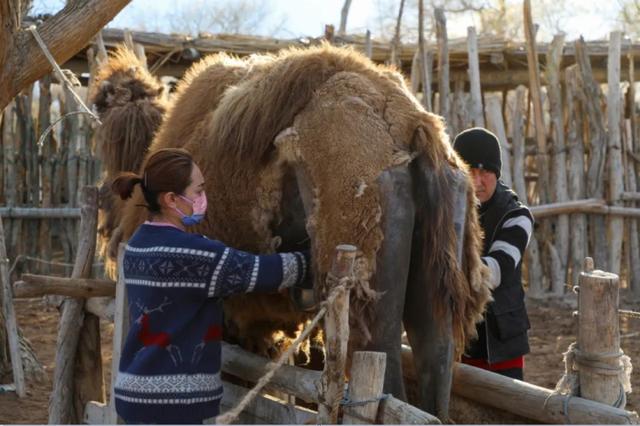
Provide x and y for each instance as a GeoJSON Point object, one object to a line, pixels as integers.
{"type": "Point", "coordinates": [165, 170]}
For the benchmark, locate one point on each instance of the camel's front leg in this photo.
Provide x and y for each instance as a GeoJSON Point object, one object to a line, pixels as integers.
{"type": "Point", "coordinates": [392, 270]}
{"type": "Point", "coordinates": [431, 337]}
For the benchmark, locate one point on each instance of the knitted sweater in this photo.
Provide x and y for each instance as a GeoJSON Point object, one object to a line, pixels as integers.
{"type": "Point", "coordinates": [170, 364]}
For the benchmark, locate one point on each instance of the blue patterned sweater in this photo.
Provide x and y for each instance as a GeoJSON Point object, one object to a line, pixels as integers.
{"type": "Point", "coordinates": [170, 363]}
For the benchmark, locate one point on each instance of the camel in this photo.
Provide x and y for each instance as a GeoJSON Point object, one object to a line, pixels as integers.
{"type": "Point", "coordinates": [319, 146]}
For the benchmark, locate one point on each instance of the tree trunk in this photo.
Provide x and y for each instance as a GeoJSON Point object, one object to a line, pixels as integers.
{"type": "Point", "coordinates": [443, 67]}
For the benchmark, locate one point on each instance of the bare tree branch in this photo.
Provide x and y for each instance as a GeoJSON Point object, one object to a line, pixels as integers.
{"type": "Point", "coordinates": [64, 34]}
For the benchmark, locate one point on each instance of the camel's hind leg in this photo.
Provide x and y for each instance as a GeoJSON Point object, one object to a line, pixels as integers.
{"type": "Point", "coordinates": [431, 337]}
{"type": "Point", "coordinates": [392, 272]}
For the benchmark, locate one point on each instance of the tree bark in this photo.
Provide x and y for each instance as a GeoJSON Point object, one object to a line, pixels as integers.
{"type": "Point", "coordinates": [21, 60]}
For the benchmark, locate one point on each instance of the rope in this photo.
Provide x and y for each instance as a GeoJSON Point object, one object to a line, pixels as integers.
{"type": "Point", "coordinates": [232, 415]}
{"type": "Point", "coordinates": [347, 402]}
{"type": "Point", "coordinates": [46, 132]}
{"type": "Point", "coordinates": [59, 73]}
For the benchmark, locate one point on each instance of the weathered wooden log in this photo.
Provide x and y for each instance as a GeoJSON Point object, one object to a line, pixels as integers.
{"type": "Point", "coordinates": [10, 169]}
{"type": "Point", "coordinates": [397, 412]}
{"type": "Point", "coordinates": [288, 379]}
{"type": "Point", "coordinates": [365, 384]}
{"type": "Point", "coordinates": [590, 205]}
{"type": "Point", "coordinates": [532, 254]}
{"type": "Point", "coordinates": [336, 333]}
{"type": "Point", "coordinates": [536, 98]}
{"type": "Point", "coordinates": [8, 313]}
{"type": "Point", "coordinates": [591, 98]}
{"type": "Point", "coordinates": [344, 14]}
{"type": "Point", "coordinates": [495, 123]}
{"type": "Point", "coordinates": [265, 409]}
{"type": "Point", "coordinates": [395, 42]}
{"type": "Point", "coordinates": [443, 66]}
{"type": "Point", "coordinates": [41, 285]}
{"type": "Point", "coordinates": [634, 148]}
{"type": "Point", "coordinates": [63, 405]}
{"type": "Point", "coordinates": [368, 47]}
{"type": "Point", "coordinates": [120, 331]}
{"type": "Point", "coordinates": [558, 175]}
{"type": "Point", "coordinates": [426, 60]}
{"type": "Point", "coordinates": [616, 169]}
{"type": "Point", "coordinates": [46, 164]}
{"type": "Point", "coordinates": [576, 173]}
{"type": "Point", "coordinates": [535, 403]}
{"type": "Point", "coordinates": [477, 116]}
{"type": "Point", "coordinates": [598, 350]}
{"type": "Point", "coordinates": [40, 213]}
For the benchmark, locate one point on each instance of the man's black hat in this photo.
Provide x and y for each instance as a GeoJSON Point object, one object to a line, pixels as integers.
{"type": "Point", "coordinates": [479, 148]}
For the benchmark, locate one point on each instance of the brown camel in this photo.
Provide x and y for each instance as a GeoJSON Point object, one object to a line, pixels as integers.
{"type": "Point", "coordinates": [316, 147]}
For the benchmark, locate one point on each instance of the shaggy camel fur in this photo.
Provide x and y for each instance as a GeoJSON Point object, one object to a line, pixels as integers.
{"type": "Point", "coordinates": [334, 122]}
{"type": "Point", "coordinates": [128, 101]}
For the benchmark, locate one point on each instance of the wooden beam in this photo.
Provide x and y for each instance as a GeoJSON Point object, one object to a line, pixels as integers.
{"type": "Point", "coordinates": [336, 337]}
{"type": "Point", "coordinates": [41, 285]}
{"type": "Point", "coordinates": [9, 316]}
{"type": "Point", "coordinates": [591, 205]}
{"type": "Point", "coordinates": [40, 212]}
{"type": "Point", "coordinates": [288, 379]}
{"type": "Point", "coordinates": [477, 113]}
{"type": "Point", "coordinates": [102, 307]}
{"type": "Point", "coordinates": [365, 384]}
{"type": "Point", "coordinates": [443, 66]}
{"type": "Point", "coordinates": [61, 404]}
{"type": "Point", "coordinates": [63, 37]}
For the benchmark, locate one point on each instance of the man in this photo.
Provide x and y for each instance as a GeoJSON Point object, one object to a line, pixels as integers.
{"type": "Point", "coordinates": [507, 224]}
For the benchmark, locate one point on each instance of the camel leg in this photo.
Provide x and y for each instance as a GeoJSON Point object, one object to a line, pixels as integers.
{"type": "Point", "coordinates": [392, 271]}
{"type": "Point", "coordinates": [431, 338]}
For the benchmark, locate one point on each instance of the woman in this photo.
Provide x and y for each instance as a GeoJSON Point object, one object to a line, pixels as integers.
{"type": "Point", "coordinates": [170, 365]}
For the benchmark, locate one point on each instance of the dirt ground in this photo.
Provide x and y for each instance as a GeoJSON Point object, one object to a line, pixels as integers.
{"type": "Point", "coordinates": [552, 330]}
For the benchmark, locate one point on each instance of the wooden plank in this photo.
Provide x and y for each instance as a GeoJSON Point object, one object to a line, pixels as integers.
{"type": "Point", "coordinates": [477, 116]}
{"type": "Point", "coordinates": [535, 92]}
{"type": "Point", "coordinates": [120, 331]}
{"type": "Point", "coordinates": [495, 123]}
{"type": "Point", "coordinates": [532, 254]}
{"type": "Point", "coordinates": [598, 334]}
{"type": "Point", "coordinates": [10, 170]}
{"type": "Point", "coordinates": [336, 337]}
{"type": "Point", "coordinates": [616, 169]}
{"type": "Point", "coordinates": [102, 307]}
{"type": "Point", "coordinates": [591, 99]}
{"type": "Point", "coordinates": [46, 164]}
{"type": "Point", "coordinates": [10, 320]}
{"type": "Point", "coordinates": [634, 148]}
{"type": "Point", "coordinates": [40, 212]}
{"type": "Point", "coordinates": [40, 285]}
{"type": "Point", "coordinates": [558, 177]}
{"type": "Point", "coordinates": [266, 409]}
{"type": "Point", "coordinates": [576, 174]}
{"type": "Point", "coordinates": [63, 395]}
{"type": "Point", "coordinates": [288, 379]}
{"type": "Point", "coordinates": [365, 384]}
{"type": "Point", "coordinates": [426, 62]}
{"type": "Point", "coordinates": [395, 43]}
{"type": "Point", "coordinates": [443, 66]}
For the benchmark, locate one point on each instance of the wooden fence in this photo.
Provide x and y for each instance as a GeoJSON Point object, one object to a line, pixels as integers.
{"type": "Point", "coordinates": [570, 145]}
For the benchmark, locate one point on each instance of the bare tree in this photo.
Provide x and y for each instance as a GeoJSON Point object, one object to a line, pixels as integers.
{"type": "Point", "coordinates": [223, 16]}
{"type": "Point", "coordinates": [629, 16]}
{"type": "Point", "coordinates": [21, 60]}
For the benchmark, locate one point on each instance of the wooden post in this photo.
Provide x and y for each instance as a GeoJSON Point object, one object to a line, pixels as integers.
{"type": "Point", "coordinates": [46, 164]}
{"type": "Point", "coordinates": [536, 97]}
{"type": "Point", "coordinates": [416, 73]}
{"type": "Point", "coordinates": [459, 114]}
{"type": "Point", "coordinates": [477, 116]}
{"type": "Point", "coordinates": [365, 384]}
{"type": "Point", "coordinates": [591, 97]}
{"type": "Point", "coordinates": [576, 175]}
{"type": "Point", "coordinates": [633, 146]}
{"type": "Point", "coordinates": [598, 336]}
{"type": "Point", "coordinates": [532, 254]}
{"type": "Point", "coordinates": [120, 331]}
{"type": "Point", "coordinates": [495, 123]}
{"type": "Point", "coordinates": [395, 43]}
{"type": "Point", "coordinates": [10, 320]}
{"type": "Point", "coordinates": [443, 66]}
{"type": "Point", "coordinates": [10, 172]}
{"type": "Point", "coordinates": [344, 14]}
{"type": "Point", "coordinates": [616, 169]}
{"type": "Point", "coordinates": [368, 47]}
{"type": "Point", "coordinates": [336, 325]}
{"type": "Point", "coordinates": [425, 61]}
{"type": "Point", "coordinates": [63, 404]}
{"type": "Point", "coordinates": [558, 169]}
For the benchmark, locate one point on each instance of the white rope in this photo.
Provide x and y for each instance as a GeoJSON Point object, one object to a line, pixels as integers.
{"type": "Point", "coordinates": [47, 262]}
{"type": "Point", "coordinates": [231, 415]}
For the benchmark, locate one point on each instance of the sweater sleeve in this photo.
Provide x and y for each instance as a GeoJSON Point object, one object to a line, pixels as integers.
{"type": "Point", "coordinates": [241, 272]}
{"type": "Point", "coordinates": [509, 244]}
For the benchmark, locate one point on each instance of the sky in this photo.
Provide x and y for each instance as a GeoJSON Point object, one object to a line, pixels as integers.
{"type": "Point", "coordinates": [301, 18]}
